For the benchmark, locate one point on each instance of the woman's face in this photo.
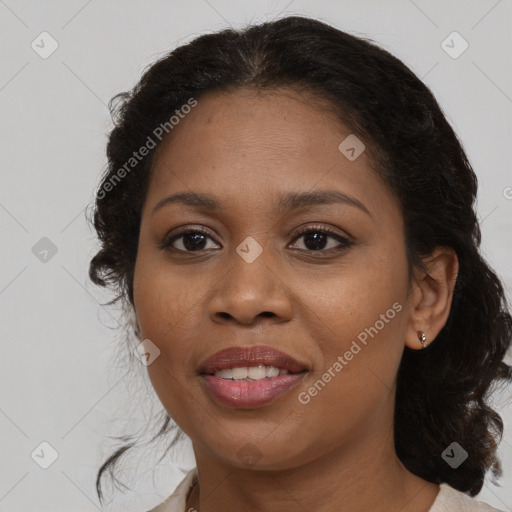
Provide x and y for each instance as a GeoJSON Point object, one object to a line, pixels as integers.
{"type": "Point", "coordinates": [336, 302]}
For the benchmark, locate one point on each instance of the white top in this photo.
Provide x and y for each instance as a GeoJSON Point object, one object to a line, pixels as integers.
{"type": "Point", "coordinates": [448, 499]}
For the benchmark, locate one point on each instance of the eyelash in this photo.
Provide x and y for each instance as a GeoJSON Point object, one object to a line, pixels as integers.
{"type": "Point", "coordinates": [345, 243]}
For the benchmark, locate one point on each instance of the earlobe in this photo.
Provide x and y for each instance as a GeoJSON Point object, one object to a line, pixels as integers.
{"type": "Point", "coordinates": [432, 297]}
{"type": "Point", "coordinates": [423, 339]}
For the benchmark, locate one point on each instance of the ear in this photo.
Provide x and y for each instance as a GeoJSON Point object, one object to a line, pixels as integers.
{"type": "Point", "coordinates": [431, 296]}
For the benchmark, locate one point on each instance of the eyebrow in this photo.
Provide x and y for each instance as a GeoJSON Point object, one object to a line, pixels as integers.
{"type": "Point", "coordinates": [288, 203]}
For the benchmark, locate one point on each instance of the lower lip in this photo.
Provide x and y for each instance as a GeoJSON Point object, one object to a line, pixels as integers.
{"type": "Point", "coordinates": [245, 394]}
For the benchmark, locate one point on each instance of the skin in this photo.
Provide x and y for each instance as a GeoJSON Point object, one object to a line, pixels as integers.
{"type": "Point", "coordinates": [249, 148]}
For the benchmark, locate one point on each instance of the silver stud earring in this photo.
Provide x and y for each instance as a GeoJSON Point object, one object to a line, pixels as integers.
{"type": "Point", "coordinates": [423, 338]}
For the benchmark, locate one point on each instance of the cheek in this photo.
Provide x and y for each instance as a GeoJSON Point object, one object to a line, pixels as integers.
{"type": "Point", "coordinates": [359, 328]}
{"type": "Point", "coordinates": [355, 297]}
{"type": "Point", "coordinates": [157, 308]}
{"type": "Point", "coordinates": [163, 298]}
{"type": "Point", "coordinates": [359, 314]}
{"type": "Point", "coordinates": [165, 307]}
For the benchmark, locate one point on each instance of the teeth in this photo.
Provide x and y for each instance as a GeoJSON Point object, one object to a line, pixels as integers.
{"type": "Point", "coordinates": [224, 374]}
{"type": "Point", "coordinates": [271, 371]}
{"type": "Point", "coordinates": [259, 372]}
{"type": "Point", "coordinates": [239, 373]}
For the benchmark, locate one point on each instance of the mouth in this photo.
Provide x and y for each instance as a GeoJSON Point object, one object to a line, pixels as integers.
{"type": "Point", "coordinates": [249, 377]}
{"type": "Point", "coordinates": [252, 373]}
{"type": "Point", "coordinates": [237, 359]}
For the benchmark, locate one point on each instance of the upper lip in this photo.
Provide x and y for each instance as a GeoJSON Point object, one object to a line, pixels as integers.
{"type": "Point", "coordinates": [234, 357]}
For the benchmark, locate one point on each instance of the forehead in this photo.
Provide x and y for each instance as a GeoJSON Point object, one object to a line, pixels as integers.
{"type": "Point", "coordinates": [252, 145]}
{"type": "Point", "coordinates": [270, 125]}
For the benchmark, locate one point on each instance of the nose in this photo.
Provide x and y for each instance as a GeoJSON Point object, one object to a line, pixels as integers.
{"type": "Point", "coordinates": [251, 293]}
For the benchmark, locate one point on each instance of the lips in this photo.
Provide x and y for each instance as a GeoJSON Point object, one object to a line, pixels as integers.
{"type": "Point", "coordinates": [234, 357]}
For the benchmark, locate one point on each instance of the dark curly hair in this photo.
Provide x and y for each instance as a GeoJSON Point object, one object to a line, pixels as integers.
{"type": "Point", "coordinates": [442, 391]}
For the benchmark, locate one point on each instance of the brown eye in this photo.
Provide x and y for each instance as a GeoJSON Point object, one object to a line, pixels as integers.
{"type": "Point", "coordinates": [192, 240]}
{"type": "Point", "coordinates": [316, 239]}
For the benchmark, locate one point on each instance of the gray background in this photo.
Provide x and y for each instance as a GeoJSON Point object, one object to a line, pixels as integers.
{"type": "Point", "coordinates": [64, 373]}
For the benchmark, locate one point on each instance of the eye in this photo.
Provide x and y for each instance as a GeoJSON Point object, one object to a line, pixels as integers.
{"type": "Point", "coordinates": [191, 240]}
{"type": "Point", "coordinates": [315, 240]}
{"type": "Point", "coordinates": [316, 237]}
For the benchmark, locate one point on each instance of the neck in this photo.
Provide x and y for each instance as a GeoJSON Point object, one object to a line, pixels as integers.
{"type": "Point", "coordinates": [354, 478]}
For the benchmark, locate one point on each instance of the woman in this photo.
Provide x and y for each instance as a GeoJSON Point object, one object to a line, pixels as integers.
{"type": "Point", "coordinates": [291, 220]}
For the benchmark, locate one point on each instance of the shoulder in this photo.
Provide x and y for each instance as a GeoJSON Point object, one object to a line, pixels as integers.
{"type": "Point", "coordinates": [176, 502]}
{"type": "Point", "coordinates": [452, 500]}
{"type": "Point", "coordinates": [448, 499]}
